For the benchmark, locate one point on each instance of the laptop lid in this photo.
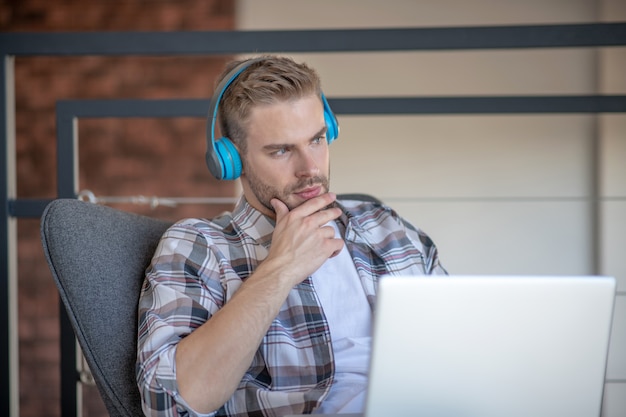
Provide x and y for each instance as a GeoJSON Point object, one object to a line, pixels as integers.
{"type": "Point", "coordinates": [490, 346]}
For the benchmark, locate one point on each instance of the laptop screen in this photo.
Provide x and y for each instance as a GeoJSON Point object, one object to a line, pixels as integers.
{"type": "Point", "coordinates": [490, 346]}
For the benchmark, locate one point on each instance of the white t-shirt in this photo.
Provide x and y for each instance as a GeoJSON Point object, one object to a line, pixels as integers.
{"type": "Point", "coordinates": [349, 316]}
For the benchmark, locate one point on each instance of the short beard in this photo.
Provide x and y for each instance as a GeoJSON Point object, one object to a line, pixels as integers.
{"type": "Point", "coordinates": [265, 192]}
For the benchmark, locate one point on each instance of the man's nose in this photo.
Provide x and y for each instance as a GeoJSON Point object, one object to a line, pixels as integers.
{"type": "Point", "coordinates": [307, 165]}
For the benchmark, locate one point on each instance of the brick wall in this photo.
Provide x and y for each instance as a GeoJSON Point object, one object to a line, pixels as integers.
{"type": "Point", "coordinates": [116, 157]}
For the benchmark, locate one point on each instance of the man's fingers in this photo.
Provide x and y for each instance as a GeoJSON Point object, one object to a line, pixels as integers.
{"type": "Point", "coordinates": [324, 216]}
{"type": "Point", "coordinates": [315, 204]}
{"type": "Point", "coordinates": [328, 232]}
{"type": "Point", "coordinates": [312, 208]}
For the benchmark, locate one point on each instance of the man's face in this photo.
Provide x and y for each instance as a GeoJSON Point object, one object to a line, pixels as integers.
{"type": "Point", "coordinates": [287, 154]}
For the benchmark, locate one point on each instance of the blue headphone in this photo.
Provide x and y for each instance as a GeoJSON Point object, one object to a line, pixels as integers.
{"type": "Point", "coordinates": [222, 157]}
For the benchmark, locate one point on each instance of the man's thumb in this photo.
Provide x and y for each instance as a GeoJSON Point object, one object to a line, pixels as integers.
{"type": "Point", "coordinates": [280, 208]}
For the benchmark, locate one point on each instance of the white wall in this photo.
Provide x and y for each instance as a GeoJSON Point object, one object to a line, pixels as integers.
{"type": "Point", "coordinates": [612, 141]}
{"type": "Point", "coordinates": [499, 194]}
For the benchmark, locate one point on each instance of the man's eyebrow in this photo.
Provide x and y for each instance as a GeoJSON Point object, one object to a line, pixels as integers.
{"type": "Point", "coordinates": [321, 132]}
{"type": "Point", "coordinates": [276, 146]}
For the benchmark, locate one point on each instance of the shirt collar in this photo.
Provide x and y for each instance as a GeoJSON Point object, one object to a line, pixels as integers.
{"type": "Point", "coordinates": [253, 223]}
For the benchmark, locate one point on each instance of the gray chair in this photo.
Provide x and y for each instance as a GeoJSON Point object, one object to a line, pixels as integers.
{"type": "Point", "coordinates": [98, 256]}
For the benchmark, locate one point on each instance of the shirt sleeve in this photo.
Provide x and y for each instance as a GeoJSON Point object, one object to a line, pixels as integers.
{"type": "Point", "coordinates": [423, 243]}
{"type": "Point", "coordinates": [432, 265]}
{"type": "Point", "coordinates": [174, 301]}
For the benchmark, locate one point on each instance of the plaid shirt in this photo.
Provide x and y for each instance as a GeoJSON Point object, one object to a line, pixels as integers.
{"type": "Point", "coordinates": [198, 266]}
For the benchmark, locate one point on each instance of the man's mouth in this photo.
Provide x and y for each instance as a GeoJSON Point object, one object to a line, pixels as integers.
{"type": "Point", "coordinates": [309, 192]}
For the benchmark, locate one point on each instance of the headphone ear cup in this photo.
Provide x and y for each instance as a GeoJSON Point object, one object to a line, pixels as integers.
{"type": "Point", "coordinates": [229, 158]}
{"type": "Point", "coordinates": [332, 127]}
{"type": "Point", "coordinates": [222, 157]}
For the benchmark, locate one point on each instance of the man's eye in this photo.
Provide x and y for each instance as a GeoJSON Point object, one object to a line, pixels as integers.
{"type": "Point", "coordinates": [318, 140]}
{"type": "Point", "coordinates": [279, 152]}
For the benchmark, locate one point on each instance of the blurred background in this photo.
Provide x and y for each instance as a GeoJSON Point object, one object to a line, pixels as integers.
{"type": "Point", "coordinates": [499, 194]}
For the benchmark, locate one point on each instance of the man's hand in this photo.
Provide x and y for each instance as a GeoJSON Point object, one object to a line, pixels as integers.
{"type": "Point", "coordinates": [301, 241]}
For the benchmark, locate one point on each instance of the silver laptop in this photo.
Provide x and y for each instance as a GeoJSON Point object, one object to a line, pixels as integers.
{"type": "Point", "coordinates": [490, 346]}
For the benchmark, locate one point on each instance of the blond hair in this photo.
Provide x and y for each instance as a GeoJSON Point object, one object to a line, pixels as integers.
{"type": "Point", "coordinates": [269, 80]}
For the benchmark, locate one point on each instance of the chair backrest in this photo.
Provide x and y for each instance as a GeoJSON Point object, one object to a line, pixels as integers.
{"type": "Point", "coordinates": [98, 256]}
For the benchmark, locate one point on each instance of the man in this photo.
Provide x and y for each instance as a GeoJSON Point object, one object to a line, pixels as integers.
{"type": "Point", "coordinates": [267, 310]}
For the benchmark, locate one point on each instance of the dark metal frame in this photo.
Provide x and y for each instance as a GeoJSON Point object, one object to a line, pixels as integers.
{"type": "Point", "coordinates": [226, 42]}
